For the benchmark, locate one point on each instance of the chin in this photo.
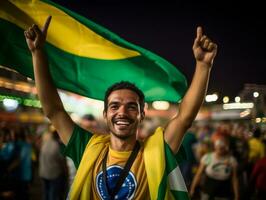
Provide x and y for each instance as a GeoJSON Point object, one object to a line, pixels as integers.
{"type": "Point", "coordinates": [122, 136]}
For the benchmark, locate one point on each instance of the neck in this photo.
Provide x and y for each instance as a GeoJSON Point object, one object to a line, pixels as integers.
{"type": "Point", "coordinates": [118, 144]}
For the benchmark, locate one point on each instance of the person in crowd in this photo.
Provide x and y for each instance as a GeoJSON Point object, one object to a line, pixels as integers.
{"type": "Point", "coordinates": [52, 167]}
{"type": "Point", "coordinates": [256, 147]}
{"type": "Point", "coordinates": [240, 150]}
{"type": "Point", "coordinates": [10, 161]}
{"type": "Point", "coordinates": [23, 172]}
{"type": "Point", "coordinates": [258, 179]}
{"type": "Point", "coordinates": [218, 173]}
{"type": "Point", "coordinates": [88, 121]}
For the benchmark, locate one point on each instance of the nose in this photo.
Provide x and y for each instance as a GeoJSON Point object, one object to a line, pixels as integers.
{"type": "Point", "coordinates": [122, 111]}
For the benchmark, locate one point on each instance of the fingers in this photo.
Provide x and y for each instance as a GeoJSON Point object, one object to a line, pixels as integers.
{"type": "Point", "coordinates": [46, 25]}
{"type": "Point", "coordinates": [206, 44]}
{"type": "Point", "coordinates": [35, 37]}
{"type": "Point", "coordinates": [211, 46]}
{"type": "Point", "coordinates": [198, 37]}
{"type": "Point", "coordinates": [28, 36]}
{"type": "Point", "coordinates": [203, 41]}
{"type": "Point", "coordinates": [199, 32]}
{"type": "Point", "coordinates": [36, 30]}
{"type": "Point", "coordinates": [32, 32]}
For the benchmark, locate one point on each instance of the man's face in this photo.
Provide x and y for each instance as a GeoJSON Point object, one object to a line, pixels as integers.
{"type": "Point", "coordinates": [123, 113]}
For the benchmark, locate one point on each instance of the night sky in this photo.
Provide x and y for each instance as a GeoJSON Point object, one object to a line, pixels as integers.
{"type": "Point", "coordinates": [168, 29]}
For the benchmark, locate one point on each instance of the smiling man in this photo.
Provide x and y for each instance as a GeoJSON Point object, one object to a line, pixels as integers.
{"type": "Point", "coordinates": [117, 166]}
{"type": "Point", "coordinates": [124, 110]}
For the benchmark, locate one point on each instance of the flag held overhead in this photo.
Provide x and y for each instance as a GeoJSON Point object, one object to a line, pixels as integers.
{"type": "Point", "coordinates": [84, 57]}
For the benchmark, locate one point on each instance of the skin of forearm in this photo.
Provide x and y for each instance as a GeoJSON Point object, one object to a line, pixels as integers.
{"type": "Point", "coordinates": [44, 84]}
{"type": "Point", "coordinates": [195, 182]}
{"type": "Point", "coordinates": [235, 187]}
{"type": "Point", "coordinates": [195, 95]}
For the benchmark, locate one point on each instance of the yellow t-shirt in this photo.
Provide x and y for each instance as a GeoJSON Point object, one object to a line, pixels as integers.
{"type": "Point", "coordinates": [115, 162]}
{"type": "Point", "coordinates": [136, 185]}
{"type": "Point", "coordinates": [256, 149]}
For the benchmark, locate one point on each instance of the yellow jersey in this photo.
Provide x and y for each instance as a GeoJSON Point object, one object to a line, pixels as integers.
{"type": "Point", "coordinates": [115, 163]}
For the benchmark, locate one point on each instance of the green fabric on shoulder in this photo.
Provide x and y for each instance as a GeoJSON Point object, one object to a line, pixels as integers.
{"type": "Point", "coordinates": [77, 144]}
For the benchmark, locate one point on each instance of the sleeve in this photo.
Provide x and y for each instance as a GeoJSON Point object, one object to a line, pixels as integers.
{"type": "Point", "coordinates": [77, 144]}
{"type": "Point", "coordinates": [206, 159]}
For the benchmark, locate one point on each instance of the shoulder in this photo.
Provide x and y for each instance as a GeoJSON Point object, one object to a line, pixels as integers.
{"type": "Point", "coordinates": [79, 134]}
{"type": "Point", "coordinates": [156, 136]}
{"type": "Point", "coordinates": [207, 158]}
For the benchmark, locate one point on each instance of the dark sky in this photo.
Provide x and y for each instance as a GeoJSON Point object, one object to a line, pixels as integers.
{"type": "Point", "coordinates": [168, 29]}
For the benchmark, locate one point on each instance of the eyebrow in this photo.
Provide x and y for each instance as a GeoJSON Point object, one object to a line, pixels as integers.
{"type": "Point", "coordinates": [113, 102]}
{"type": "Point", "coordinates": [133, 103]}
{"type": "Point", "coordinates": [117, 102]}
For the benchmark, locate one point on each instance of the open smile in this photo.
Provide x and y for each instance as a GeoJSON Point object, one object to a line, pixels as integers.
{"type": "Point", "coordinates": [122, 123]}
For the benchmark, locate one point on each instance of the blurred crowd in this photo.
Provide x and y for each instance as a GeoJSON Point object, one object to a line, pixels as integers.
{"type": "Point", "coordinates": [225, 160]}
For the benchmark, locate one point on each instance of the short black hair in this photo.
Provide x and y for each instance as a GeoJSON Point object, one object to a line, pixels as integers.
{"type": "Point", "coordinates": [88, 117]}
{"type": "Point", "coordinates": [125, 85]}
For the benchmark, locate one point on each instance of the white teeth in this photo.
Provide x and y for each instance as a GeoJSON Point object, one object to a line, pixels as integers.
{"type": "Point", "coordinates": [122, 123]}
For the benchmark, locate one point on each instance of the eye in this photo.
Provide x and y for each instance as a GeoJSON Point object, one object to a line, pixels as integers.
{"type": "Point", "coordinates": [132, 107]}
{"type": "Point", "coordinates": [113, 107]}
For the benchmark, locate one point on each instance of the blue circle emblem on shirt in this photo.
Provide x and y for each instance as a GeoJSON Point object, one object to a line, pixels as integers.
{"type": "Point", "coordinates": [127, 190]}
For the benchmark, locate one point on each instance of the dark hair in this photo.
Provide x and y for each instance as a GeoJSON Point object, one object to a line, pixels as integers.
{"type": "Point", "coordinates": [89, 117]}
{"type": "Point", "coordinates": [125, 85]}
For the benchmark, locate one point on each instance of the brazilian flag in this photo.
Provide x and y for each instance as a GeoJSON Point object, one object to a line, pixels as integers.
{"type": "Point", "coordinates": [84, 57]}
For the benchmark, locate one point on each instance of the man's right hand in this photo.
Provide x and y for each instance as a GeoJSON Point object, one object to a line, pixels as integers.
{"type": "Point", "coordinates": [35, 37]}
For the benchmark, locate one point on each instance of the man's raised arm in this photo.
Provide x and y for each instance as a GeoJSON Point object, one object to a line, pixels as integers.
{"type": "Point", "coordinates": [204, 52]}
{"type": "Point", "coordinates": [47, 93]}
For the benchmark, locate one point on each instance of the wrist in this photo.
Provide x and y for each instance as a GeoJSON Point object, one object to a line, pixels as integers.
{"type": "Point", "coordinates": [37, 51]}
{"type": "Point", "coordinates": [203, 65]}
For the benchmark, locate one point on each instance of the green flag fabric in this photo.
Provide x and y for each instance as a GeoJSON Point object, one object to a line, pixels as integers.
{"type": "Point", "coordinates": [84, 57]}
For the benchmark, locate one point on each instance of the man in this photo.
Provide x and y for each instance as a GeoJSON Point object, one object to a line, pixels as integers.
{"type": "Point", "coordinates": [114, 166]}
